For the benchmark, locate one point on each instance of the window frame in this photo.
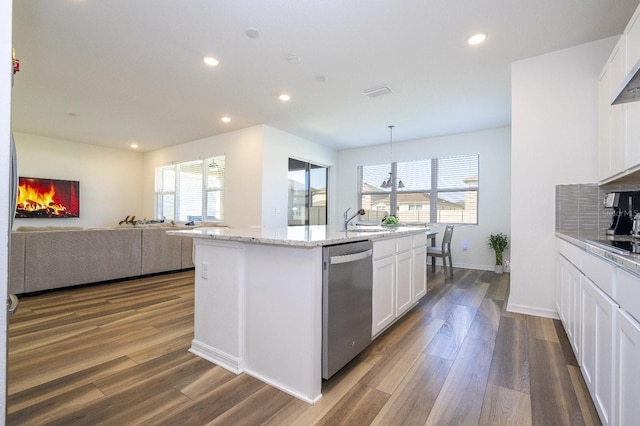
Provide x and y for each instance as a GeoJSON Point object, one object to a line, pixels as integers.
{"type": "Point", "coordinates": [161, 191]}
{"type": "Point", "coordinates": [434, 212]}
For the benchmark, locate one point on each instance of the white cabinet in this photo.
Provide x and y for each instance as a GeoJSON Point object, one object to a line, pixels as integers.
{"type": "Point", "coordinates": [419, 272]}
{"type": "Point", "coordinates": [627, 376]}
{"type": "Point", "coordinates": [632, 34]}
{"type": "Point", "coordinates": [404, 292]}
{"type": "Point", "coordinates": [612, 135]}
{"type": "Point", "coordinates": [603, 326]}
{"type": "Point", "coordinates": [619, 125]}
{"type": "Point", "coordinates": [598, 337]}
{"type": "Point", "coordinates": [399, 278]}
{"type": "Point", "coordinates": [383, 309]}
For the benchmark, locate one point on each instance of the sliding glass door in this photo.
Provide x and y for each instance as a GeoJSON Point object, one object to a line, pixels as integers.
{"type": "Point", "coordinates": [307, 193]}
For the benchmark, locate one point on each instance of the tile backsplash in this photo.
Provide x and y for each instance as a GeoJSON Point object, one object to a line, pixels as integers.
{"type": "Point", "coordinates": [579, 207]}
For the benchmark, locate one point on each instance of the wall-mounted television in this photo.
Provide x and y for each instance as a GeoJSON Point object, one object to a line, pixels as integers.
{"type": "Point", "coordinates": [47, 198]}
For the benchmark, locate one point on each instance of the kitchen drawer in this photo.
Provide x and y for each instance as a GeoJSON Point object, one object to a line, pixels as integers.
{"type": "Point", "coordinates": [570, 252]}
{"type": "Point", "coordinates": [628, 293]}
{"type": "Point", "coordinates": [404, 244]}
{"type": "Point", "coordinates": [420, 240]}
{"type": "Point", "coordinates": [384, 248]}
{"type": "Point", "coordinates": [600, 272]}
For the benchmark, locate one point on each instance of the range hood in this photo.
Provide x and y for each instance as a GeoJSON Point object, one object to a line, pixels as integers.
{"type": "Point", "coordinates": [630, 89]}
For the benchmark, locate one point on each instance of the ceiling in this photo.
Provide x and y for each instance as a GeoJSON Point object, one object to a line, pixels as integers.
{"type": "Point", "coordinates": [118, 72]}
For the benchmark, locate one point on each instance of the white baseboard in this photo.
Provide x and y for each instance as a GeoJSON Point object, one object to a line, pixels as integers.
{"type": "Point", "coordinates": [216, 356]}
{"type": "Point", "coordinates": [532, 310]}
{"type": "Point", "coordinates": [283, 388]}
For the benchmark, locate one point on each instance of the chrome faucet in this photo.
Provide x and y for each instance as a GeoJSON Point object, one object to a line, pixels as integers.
{"type": "Point", "coordinates": [348, 219]}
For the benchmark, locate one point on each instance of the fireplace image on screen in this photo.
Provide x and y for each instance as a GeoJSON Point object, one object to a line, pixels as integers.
{"type": "Point", "coordinates": [47, 198]}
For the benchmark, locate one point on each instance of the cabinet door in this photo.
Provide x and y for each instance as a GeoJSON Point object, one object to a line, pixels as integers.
{"type": "Point", "coordinates": [404, 271]}
{"type": "Point", "coordinates": [575, 319]}
{"type": "Point", "coordinates": [588, 314]}
{"type": "Point", "coordinates": [604, 126]}
{"type": "Point", "coordinates": [632, 34]}
{"type": "Point", "coordinates": [384, 274]}
{"type": "Point", "coordinates": [627, 390]}
{"type": "Point", "coordinates": [598, 343]}
{"type": "Point", "coordinates": [419, 272]}
{"type": "Point", "coordinates": [611, 118]}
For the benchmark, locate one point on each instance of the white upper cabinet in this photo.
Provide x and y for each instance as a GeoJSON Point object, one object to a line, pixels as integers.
{"type": "Point", "coordinates": [619, 125]}
{"type": "Point", "coordinates": [632, 34]}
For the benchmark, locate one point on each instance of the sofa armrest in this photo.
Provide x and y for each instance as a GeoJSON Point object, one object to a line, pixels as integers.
{"type": "Point", "coordinates": [16, 263]}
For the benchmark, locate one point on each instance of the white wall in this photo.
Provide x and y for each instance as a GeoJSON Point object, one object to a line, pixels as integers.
{"type": "Point", "coordinates": [554, 141]}
{"type": "Point", "coordinates": [110, 179]}
{"type": "Point", "coordinates": [256, 171]}
{"type": "Point", "coordinates": [493, 146]}
{"type": "Point", "coordinates": [278, 147]}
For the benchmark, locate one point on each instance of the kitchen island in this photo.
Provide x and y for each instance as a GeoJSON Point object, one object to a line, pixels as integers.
{"type": "Point", "coordinates": [258, 297]}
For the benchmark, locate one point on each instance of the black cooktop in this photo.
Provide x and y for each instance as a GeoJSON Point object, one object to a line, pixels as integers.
{"type": "Point", "coordinates": [618, 246]}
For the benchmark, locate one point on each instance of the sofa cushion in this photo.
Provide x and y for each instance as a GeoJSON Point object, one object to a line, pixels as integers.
{"type": "Point", "coordinates": [60, 258]}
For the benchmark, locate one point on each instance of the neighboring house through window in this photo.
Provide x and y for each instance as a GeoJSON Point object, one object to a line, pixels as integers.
{"type": "Point", "coordinates": [435, 190]}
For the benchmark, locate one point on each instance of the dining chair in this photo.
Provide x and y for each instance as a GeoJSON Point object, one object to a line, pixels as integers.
{"type": "Point", "coordinates": [443, 252]}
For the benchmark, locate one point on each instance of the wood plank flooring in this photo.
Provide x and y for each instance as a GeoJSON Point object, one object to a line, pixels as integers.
{"type": "Point", "coordinates": [116, 354]}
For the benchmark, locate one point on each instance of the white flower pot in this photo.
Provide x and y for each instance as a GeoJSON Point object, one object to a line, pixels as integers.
{"type": "Point", "coordinates": [499, 269]}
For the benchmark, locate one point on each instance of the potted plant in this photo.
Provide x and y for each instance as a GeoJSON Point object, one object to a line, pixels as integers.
{"type": "Point", "coordinates": [498, 242]}
{"type": "Point", "coordinates": [390, 221]}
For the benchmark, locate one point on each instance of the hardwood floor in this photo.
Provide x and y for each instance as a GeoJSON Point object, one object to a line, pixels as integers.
{"type": "Point", "coordinates": [117, 354]}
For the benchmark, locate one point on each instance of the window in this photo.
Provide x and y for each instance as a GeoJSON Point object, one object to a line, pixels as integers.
{"type": "Point", "coordinates": [191, 191]}
{"type": "Point", "coordinates": [307, 193]}
{"type": "Point", "coordinates": [435, 190]}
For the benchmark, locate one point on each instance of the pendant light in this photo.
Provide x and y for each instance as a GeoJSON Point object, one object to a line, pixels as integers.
{"type": "Point", "coordinates": [388, 183]}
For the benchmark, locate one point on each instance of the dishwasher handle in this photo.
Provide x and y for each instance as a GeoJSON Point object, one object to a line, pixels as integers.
{"type": "Point", "coordinates": [354, 257]}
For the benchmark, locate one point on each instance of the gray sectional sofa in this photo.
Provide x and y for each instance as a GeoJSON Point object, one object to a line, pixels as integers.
{"type": "Point", "coordinates": [50, 258]}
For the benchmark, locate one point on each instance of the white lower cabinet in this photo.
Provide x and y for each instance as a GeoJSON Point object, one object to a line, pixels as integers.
{"type": "Point", "coordinates": [598, 313]}
{"type": "Point", "coordinates": [419, 277]}
{"type": "Point", "coordinates": [399, 278]}
{"type": "Point", "coordinates": [383, 295]}
{"type": "Point", "coordinates": [627, 376]}
{"type": "Point", "coordinates": [404, 271]}
{"type": "Point", "coordinates": [602, 325]}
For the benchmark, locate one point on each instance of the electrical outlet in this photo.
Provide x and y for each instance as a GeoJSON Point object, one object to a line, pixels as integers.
{"type": "Point", "coordinates": [204, 272]}
{"type": "Point", "coordinates": [507, 266]}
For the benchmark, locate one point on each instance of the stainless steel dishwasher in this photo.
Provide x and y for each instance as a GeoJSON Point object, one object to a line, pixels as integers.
{"type": "Point", "coordinates": [347, 280]}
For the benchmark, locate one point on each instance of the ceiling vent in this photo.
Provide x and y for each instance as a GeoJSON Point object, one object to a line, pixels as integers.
{"type": "Point", "coordinates": [377, 91]}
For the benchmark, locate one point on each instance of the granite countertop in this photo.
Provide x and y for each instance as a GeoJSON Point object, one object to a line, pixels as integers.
{"type": "Point", "coordinates": [301, 236]}
{"type": "Point", "coordinates": [627, 262]}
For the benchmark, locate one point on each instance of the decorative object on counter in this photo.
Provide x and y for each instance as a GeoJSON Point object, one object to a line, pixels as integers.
{"type": "Point", "coordinates": [498, 242]}
{"type": "Point", "coordinates": [390, 221]}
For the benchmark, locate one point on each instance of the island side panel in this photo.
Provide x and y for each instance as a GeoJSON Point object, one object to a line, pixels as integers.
{"type": "Point", "coordinates": [218, 303]}
{"type": "Point", "coordinates": [283, 321]}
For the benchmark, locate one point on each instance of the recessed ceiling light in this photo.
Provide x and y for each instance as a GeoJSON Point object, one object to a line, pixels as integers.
{"type": "Point", "coordinates": [225, 119]}
{"type": "Point", "coordinates": [294, 59]}
{"type": "Point", "coordinates": [211, 61]}
{"type": "Point", "coordinates": [134, 145]}
{"type": "Point", "coordinates": [284, 97]}
{"type": "Point", "coordinates": [477, 38]}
